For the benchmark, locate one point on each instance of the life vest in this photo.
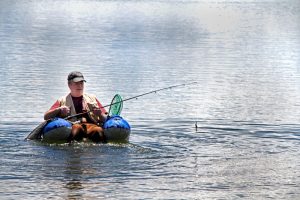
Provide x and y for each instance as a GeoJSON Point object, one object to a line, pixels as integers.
{"type": "Point", "coordinates": [89, 103]}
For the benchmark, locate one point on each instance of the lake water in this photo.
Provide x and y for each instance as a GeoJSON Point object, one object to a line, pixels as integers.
{"type": "Point", "coordinates": [244, 54]}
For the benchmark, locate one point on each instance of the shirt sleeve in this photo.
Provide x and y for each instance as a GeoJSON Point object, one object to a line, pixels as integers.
{"type": "Point", "coordinates": [55, 105]}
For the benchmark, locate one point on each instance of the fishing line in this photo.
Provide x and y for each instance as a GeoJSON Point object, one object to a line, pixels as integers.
{"type": "Point", "coordinates": [116, 100]}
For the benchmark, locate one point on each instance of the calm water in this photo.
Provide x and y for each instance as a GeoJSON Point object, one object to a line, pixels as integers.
{"type": "Point", "coordinates": [245, 56]}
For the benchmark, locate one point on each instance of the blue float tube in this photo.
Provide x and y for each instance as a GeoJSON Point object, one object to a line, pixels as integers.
{"type": "Point", "coordinates": [58, 130]}
{"type": "Point", "coordinates": [116, 129]}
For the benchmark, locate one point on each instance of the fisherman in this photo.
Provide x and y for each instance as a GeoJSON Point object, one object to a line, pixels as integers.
{"type": "Point", "coordinates": [88, 125]}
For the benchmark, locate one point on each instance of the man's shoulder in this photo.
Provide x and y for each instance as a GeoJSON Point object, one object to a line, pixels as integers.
{"type": "Point", "coordinates": [91, 96]}
{"type": "Point", "coordinates": [63, 98]}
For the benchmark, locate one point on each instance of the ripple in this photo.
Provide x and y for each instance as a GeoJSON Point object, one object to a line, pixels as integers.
{"type": "Point", "coordinates": [246, 102]}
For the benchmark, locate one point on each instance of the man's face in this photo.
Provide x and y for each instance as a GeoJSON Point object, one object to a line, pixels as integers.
{"type": "Point", "coordinates": [76, 88]}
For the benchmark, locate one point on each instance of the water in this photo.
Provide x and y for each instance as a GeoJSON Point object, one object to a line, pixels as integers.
{"type": "Point", "coordinates": [245, 56]}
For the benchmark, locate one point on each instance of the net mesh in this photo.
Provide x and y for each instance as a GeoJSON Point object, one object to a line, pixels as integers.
{"type": "Point", "coordinates": [116, 105]}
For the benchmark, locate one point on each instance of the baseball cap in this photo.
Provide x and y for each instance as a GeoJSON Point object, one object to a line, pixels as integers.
{"type": "Point", "coordinates": [76, 76]}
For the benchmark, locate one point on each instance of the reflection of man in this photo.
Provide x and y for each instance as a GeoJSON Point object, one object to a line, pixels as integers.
{"type": "Point", "coordinates": [93, 113]}
{"type": "Point", "coordinates": [74, 170]}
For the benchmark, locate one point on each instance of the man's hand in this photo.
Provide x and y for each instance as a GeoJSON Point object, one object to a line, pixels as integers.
{"type": "Point", "coordinates": [97, 111]}
{"type": "Point", "coordinates": [64, 110]}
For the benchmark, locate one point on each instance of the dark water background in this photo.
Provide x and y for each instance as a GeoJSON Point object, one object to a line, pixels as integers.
{"type": "Point", "coordinates": [245, 56]}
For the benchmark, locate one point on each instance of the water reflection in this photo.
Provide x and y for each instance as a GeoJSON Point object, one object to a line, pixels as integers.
{"type": "Point", "coordinates": [74, 173]}
{"type": "Point", "coordinates": [244, 54]}
{"type": "Point", "coordinates": [73, 187]}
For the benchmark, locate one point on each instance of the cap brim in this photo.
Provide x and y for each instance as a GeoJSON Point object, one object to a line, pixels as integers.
{"type": "Point", "coordinates": [78, 79]}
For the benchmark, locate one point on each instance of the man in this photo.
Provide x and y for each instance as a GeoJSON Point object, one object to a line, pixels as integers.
{"type": "Point", "coordinates": [87, 125]}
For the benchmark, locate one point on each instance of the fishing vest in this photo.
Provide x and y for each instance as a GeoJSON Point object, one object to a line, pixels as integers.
{"type": "Point", "coordinates": [89, 103]}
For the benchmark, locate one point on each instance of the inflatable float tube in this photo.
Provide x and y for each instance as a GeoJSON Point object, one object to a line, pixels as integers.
{"type": "Point", "coordinates": [116, 129]}
{"type": "Point", "coordinates": [57, 130]}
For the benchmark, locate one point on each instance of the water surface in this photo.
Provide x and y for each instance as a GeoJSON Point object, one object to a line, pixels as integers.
{"type": "Point", "coordinates": [245, 56]}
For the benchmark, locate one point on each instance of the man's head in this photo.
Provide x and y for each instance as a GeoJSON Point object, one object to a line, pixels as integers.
{"type": "Point", "coordinates": [76, 83]}
{"type": "Point", "coordinates": [75, 76]}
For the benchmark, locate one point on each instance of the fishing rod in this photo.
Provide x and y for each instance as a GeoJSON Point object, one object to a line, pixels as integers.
{"type": "Point", "coordinates": [135, 97]}
{"type": "Point", "coordinates": [154, 91]}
